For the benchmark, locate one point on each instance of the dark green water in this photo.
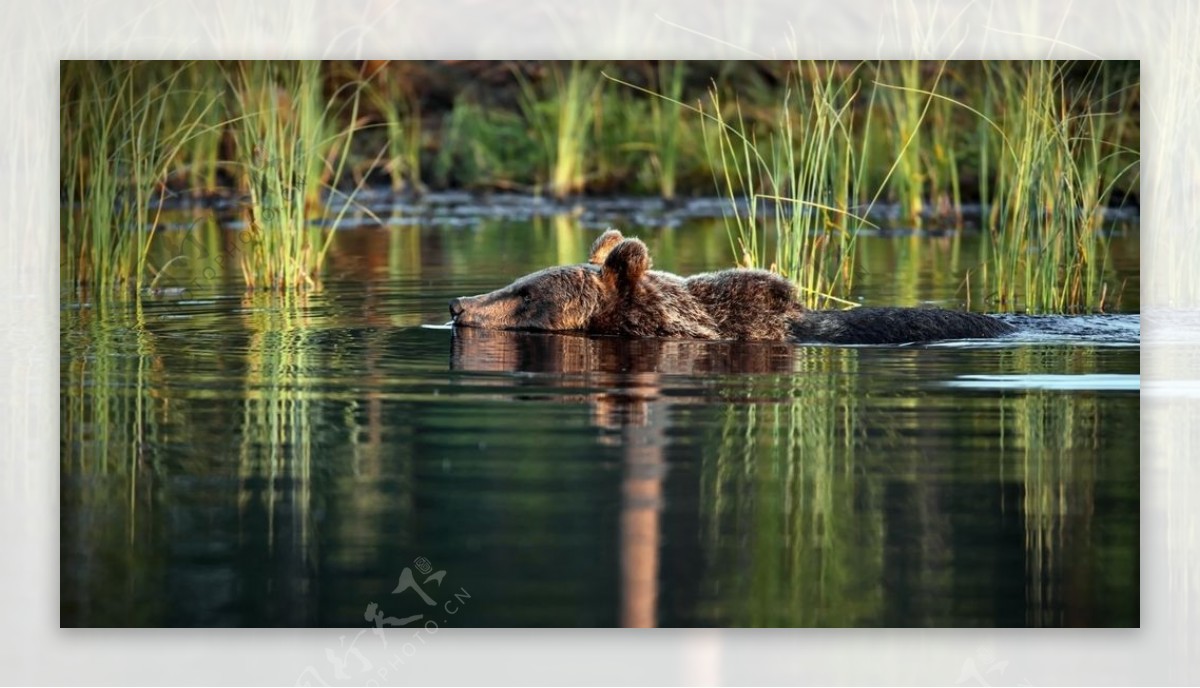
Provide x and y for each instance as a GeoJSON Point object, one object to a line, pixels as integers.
{"type": "Point", "coordinates": [233, 460]}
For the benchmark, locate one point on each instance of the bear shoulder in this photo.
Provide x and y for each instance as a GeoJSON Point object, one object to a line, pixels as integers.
{"type": "Point", "coordinates": [746, 303]}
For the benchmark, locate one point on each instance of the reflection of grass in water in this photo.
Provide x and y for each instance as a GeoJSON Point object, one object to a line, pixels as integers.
{"type": "Point", "coordinates": [566, 229]}
{"type": "Point", "coordinates": [110, 422]}
{"type": "Point", "coordinates": [557, 240]}
{"type": "Point", "coordinates": [404, 252]}
{"type": "Point", "coordinates": [1048, 474]}
{"type": "Point", "coordinates": [277, 416]}
{"type": "Point", "coordinates": [284, 415]}
{"type": "Point", "coordinates": [107, 408]}
{"type": "Point", "coordinates": [1058, 435]}
{"type": "Point", "coordinates": [812, 555]}
{"type": "Point", "coordinates": [1058, 472]}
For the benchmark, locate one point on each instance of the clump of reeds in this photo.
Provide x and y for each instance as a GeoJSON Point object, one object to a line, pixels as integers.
{"type": "Point", "coordinates": [280, 122]}
{"type": "Point", "coordinates": [806, 173]}
{"type": "Point", "coordinates": [392, 97]}
{"type": "Point", "coordinates": [667, 126]}
{"type": "Point", "coordinates": [134, 132]}
{"type": "Point", "coordinates": [559, 110]}
{"type": "Point", "coordinates": [1055, 172]}
{"type": "Point", "coordinates": [1049, 150]}
{"type": "Point", "coordinates": [124, 127]}
{"type": "Point", "coordinates": [292, 144]}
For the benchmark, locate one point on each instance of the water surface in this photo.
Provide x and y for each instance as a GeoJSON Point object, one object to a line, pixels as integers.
{"type": "Point", "coordinates": [244, 460]}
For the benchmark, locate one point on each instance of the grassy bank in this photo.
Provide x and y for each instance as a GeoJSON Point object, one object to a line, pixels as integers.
{"type": "Point", "coordinates": [818, 149]}
{"type": "Point", "coordinates": [1051, 150]}
{"type": "Point", "coordinates": [135, 135]}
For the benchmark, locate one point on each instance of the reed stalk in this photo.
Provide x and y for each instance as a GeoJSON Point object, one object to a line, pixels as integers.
{"type": "Point", "coordinates": [560, 112]}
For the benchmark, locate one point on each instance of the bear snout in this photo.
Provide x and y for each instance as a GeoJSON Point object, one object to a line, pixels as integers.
{"type": "Point", "coordinates": [456, 308]}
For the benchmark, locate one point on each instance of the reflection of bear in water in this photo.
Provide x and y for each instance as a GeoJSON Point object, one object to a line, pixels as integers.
{"type": "Point", "coordinates": [621, 381]}
{"type": "Point", "coordinates": [616, 293]}
{"type": "Point", "coordinates": [618, 377]}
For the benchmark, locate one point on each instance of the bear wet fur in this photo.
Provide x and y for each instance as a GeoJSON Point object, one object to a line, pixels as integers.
{"type": "Point", "coordinates": [617, 293]}
{"type": "Point", "coordinates": [868, 325]}
{"type": "Point", "coordinates": [615, 296]}
{"type": "Point", "coordinates": [726, 294]}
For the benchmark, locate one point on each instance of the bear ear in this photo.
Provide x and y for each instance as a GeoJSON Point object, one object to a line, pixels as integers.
{"type": "Point", "coordinates": [604, 244]}
{"type": "Point", "coordinates": [625, 264]}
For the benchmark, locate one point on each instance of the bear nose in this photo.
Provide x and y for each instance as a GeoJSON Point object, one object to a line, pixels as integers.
{"type": "Point", "coordinates": [456, 308]}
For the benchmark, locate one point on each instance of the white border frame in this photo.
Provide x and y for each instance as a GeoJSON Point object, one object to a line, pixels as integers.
{"type": "Point", "coordinates": [1166, 650]}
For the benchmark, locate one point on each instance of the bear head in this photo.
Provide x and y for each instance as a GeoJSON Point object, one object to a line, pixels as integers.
{"type": "Point", "coordinates": [613, 294]}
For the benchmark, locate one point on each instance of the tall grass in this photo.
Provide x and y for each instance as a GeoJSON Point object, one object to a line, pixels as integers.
{"type": "Point", "coordinates": [488, 148]}
{"type": "Point", "coordinates": [291, 145]}
{"type": "Point", "coordinates": [809, 170]}
{"type": "Point", "coordinates": [1051, 150]}
{"type": "Point", "coordinates": [393, 98]}
{"type": "Point", "coordinates": [906, 110]}
{"type": "Point", "coordinates": [1043, 147]}
{"type": "Point", "coordinates": [667, 126]}
{"type": "Point", "coordinates": [569, 135]}
{"type": "Point", "coordinates": [943, 179]}
{"type": "Point", "coordinates": [559, 110]}
{"type": "Point", "coordinates": [1055, 172]}
{"type": "Point", "coordinates": [201, 161]}
{"type": "Point", "coordinates": [280, 122]}
{"type": "Point", "coordinates": [124, 126]}
{"type": "Point", "coordinates": [134, 132]}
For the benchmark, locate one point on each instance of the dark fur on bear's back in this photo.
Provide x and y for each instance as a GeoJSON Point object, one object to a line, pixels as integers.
{"type": "Point", "coordinates": [616, 293]}
{"type": "Point", "coordinates": [894, 326]}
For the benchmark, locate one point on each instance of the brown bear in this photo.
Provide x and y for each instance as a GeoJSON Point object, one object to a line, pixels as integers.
{"type": "Point", "coordinates": [616, 293]}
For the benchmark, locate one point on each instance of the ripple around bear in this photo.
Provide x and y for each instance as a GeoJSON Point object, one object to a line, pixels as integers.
{"type": "Point", "coordinates": [616, 293]}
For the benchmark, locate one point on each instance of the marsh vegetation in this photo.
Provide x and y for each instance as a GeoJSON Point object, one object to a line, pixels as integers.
{"type": "Point", "coordinates": [808, 156]}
